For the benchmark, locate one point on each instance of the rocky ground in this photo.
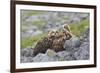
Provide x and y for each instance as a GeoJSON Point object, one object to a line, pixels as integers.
{"type": "Point", "coordinates": [77, 48]}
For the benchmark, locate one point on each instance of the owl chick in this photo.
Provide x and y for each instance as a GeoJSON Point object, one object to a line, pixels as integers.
{"type": "Point", "coordinates": [67, 31]}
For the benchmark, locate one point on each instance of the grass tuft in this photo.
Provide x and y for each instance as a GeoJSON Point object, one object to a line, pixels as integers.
{"type": "Point", "coordinates": [78, 28]}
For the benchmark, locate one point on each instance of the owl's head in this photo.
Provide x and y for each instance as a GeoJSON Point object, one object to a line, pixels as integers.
{"type": "Point", "coordinates": [52, 33]}
{"type": "Point", "coordinates": [66, 27]}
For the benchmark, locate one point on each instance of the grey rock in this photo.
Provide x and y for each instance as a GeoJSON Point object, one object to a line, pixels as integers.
{"type": "Point", "coordinates": [85, 35]}
{"type": "Point", "coordinates": [72, 43]}
{"type": "Point", "coordinates": [75, 42]}
{"type": "Point", "coordinates": [26, 59]}
{"type": "Point", "coordinates": [38, 57]}
{"type": "Point", "coordinates": [23, 59]}
{"type": "Point", "coordinates": [82, 53]}
{"type": "Point", "coordinates": [63, 54]}
{"type": "Point", "coordinates": [26, 52]}
{"type": "Point", "coordinates": [70, 57]}
{"type": "Point", "coordinates": [49, 59]}
{"type": "Point", "coordinates": [43, 58]}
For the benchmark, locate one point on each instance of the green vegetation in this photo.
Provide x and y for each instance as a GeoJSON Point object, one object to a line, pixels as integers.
{"type": "Point", "coordinates": [30, 41]}
{"type": "Point", "coordinates": [78, 28]}
{"type": "Point", "coordinates": [30, 13]}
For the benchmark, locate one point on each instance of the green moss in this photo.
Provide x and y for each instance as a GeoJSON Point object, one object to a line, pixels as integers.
{"type": "Point", "coordinates": [78, 28]}
{"type": "Point", "coordinates": [31, 41]}
{"type": "Point", "coordinates": [51, 53]}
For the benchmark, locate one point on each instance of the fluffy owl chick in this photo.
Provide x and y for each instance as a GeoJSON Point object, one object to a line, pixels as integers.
{"type": "Point", "coordinates": [52, 33]}
{"type": "Point", "coordinates": [67, 31]}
